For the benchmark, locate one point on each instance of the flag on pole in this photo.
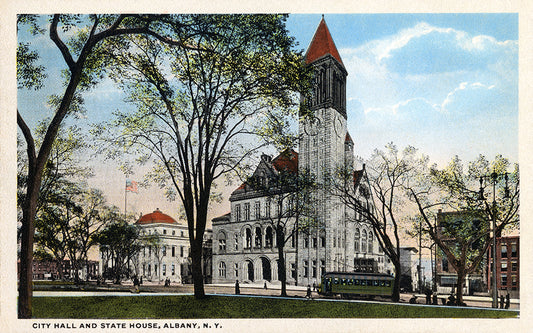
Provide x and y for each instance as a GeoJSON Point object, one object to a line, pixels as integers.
{"type": "Point", "coordinates": [131, 186]}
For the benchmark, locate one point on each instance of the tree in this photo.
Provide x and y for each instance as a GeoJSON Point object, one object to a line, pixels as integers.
{"type": "Point", "coordinates": [155, 244]}
{"type": "Point", "coordinates": [82, 44]}
{"type": "Point", "coordinates": [288, 192]}
{"type": "Point", "coordinates": [197, 106]}
{"type": "Point", "coordinates": [119, 242]}
{"type": "Point", "coordinates": [377, 194]}
{"type": "Point", "coordinates": [465, 240]}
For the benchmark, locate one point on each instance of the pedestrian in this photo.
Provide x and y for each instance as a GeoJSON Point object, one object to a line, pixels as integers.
{"type": "Point", "coordinates": [265, 286]}
{"type": "Point", "coordinates": [308, 294]}
{"type": "Point", "coordinates": [502, 299]}
{"type": "Point", "coordinates": [451, 300]}
{"type": "Point", "coordinates": [435, 299]}
{"type": "Point", "coordinates": [237, 289]}
{"type": "Point", "coordinates": [136, 284]}
{"type": "Point", "coordinates": [314, 285]}
{"type": "Point", "coordinates": [428, 296]}
{"type": "Point", "coordinates": [507, 301]}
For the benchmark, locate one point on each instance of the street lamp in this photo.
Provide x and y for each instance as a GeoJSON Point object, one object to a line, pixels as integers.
{"type": "Point", "coordinates": [494, 177]}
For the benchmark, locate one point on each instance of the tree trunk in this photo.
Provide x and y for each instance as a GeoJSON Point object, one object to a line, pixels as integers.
{"type": "Point", "coordinates": [26, 258]}
{"type": "Point", "coordinates": [281, 266]}
{"type": "Point", "coordinates": [397, 277]}
{"type": "Point", "coordinates": [197, 274]}
{"type": "Point", "coordinates": [460, 281]}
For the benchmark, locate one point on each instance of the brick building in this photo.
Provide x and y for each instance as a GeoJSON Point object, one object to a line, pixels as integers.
{"type": "Point", "coordinates": [507, 265]}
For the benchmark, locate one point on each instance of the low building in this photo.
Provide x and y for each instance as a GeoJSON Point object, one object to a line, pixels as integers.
{"type": "Point", "coordinates": [51, 270]}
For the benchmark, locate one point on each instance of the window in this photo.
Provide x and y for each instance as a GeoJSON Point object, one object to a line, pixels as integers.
{"type": "Point", "coordinates": [173, 269]}
{"type": "Point", "coordinates": [149, 250]}
{"type": "Point", "coordinates": [357, 237]}
{"type": "Point", "coordinates": [314, 268]}
{"type": "Point", "coordinates": [514, 280]}
{"type": "Point", "coordinates": [236, 270]}
{"type": "Point", "coordinates": [222, 269]}
{"type": "Point", "coordinates": [314, 243]}
{"type": "Point", "coordinates": [370, 242]}
{"type": "Point", "coordinates": [173, 251]}
{"type": "Point", "coordinates": [504, 266]}
{"type": "Point", "coordinates": [322, 266]}
{"type": "Point", "coordinates": [181, 251]}
{"type": "Point", "coordinates": [236, 242]}
{"type": "Point", "coordinates": [504, 279]}
{"type": "Point", "coordinates": [257, 210]}
{"type": "Point", "coordinates": [247, 211]}
{"type": "Point", "coordinates": [222, 245]}
{"type": "Point", "coordinates": [306, 268]}
{"type": "Point", "coordinates": [248, 239]}
{"type": "Point", "coordinates": [258, 237]}
{"type": "Point", "coordinates": [322, 241]}
{"type": "Point", "coordinates": [363, 241]}
{"type": "Point", "coordinates": [513, 250]}
{"type": "Point", "coordinates": [514, 266]}
{"type": "Point", "coordinates": [267, 209]}
{"type": "Point", "coordinates": [173, 232]}
{"type": "Point", "coordinates": [164, 269]}
{"type": "Point", "coordinates": [293, 270]}
{"type": "Point", "coordinates": [306, 242]}
{"type": "Point", "coordinates": [445, 263]}
{"type": "Point", "coordinates": [164, 231]}
{"type": "Point", "coordinates": [268, 237]}
{"type": "Point", "coordinates": [182, 233]}
{"type": "Point", "coordinates": [237, 212]}
{"type": "Point", "coordinates": [164, 250]}
{"type": "Point", "coordinates": [504, 251]}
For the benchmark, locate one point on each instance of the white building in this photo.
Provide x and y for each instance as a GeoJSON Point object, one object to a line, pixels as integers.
{"type": "Point", "coordinates": [244, 245]}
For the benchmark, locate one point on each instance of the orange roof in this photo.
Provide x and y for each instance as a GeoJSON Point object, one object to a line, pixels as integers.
{"type": "Point", "coordinates": [155, 217]}
{"type": "Point", "coordinates": [287, 160]}
{"type": "Point", "coordinates": [322, 44]}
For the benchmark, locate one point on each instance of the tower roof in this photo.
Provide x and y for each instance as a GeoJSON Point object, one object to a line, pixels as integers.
{"type": "Point", "coordinates": [322, 44]}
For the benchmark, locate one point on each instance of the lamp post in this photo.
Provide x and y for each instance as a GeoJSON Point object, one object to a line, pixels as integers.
{"type": "Point", "coordinates": [494, 178]}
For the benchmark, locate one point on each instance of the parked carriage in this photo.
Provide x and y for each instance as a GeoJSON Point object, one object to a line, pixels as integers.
{"type": "Point", "coordinates": [349, 284]}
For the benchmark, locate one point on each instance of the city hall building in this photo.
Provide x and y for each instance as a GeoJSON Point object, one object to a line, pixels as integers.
{"type": "Point", "coordinates": [244, 241]}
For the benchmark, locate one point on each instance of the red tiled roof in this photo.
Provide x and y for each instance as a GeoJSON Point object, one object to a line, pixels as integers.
{"type": "Point", "coordinates": [286, 160]}
{"type": "Point", "coordinates": [322, 44]}
{"type": "Point", "coordinates": [155, 217]}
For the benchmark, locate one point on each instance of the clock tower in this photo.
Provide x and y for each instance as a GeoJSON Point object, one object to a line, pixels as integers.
{"type": "Point", "coordinates": [325, 146]}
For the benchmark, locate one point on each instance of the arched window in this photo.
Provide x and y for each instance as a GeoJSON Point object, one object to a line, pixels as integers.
{"type": "Point", "coordinates": [370, 242]}
{"type": "Point", "coordinates": [357, 239]}
{"type": "Point", "coordinates": [268, 237]}
{"type": "Point", "coordinates": [221, 242]}
{"type": "Point", "coordinates": [258, 237]}
{"type": "Point", "coordinates": [222, 269]}
{"type": "Point", "coordinates": [363, 241]}
{"type": "Point", "coordinates": [248, 238]}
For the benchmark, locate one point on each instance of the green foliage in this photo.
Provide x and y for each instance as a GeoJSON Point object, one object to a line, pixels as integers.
{"type": "Point", "coordinates": [29, 74]}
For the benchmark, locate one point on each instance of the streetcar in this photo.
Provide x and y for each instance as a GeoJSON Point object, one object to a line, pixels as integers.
{"type": "Point", "coordinates": [349, 284]}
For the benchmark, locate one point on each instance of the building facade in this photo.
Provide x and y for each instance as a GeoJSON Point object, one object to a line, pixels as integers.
{"type": "Point", "coordinates": [244, 245]}
{"type": "Point", "coordinates": [507, 265]}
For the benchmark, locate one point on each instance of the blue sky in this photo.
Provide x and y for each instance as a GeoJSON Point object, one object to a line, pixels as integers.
{"type": "Point", "coordinates": [444, 83]}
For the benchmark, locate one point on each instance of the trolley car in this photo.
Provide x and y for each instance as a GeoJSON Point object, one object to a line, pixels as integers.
{"type": "Point", "coordinates": [349, 284]}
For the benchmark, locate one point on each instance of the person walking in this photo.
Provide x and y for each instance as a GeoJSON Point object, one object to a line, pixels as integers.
{"type": "Point", "coordinates": [237, 289]}
{"type": "Point", "coordinates": [314, 285]}
{"type": "Point", "coordinates": [502, 299]}
{"type": "Point", "coordinates": [507, 301]}
{"type": "Point", "coordinates": [428, 296]}
{"type": "Point", "coordinates": [136, 284]}
{"type": "Point", "coordinates": [308, 294]}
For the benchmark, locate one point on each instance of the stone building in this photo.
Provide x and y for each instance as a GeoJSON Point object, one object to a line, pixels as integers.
{"type": "Point", "coordinates": [168, 257]}
{"type": "Point", "coordinates": [244, 245]}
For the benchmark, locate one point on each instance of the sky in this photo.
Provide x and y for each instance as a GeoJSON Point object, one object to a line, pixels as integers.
{"type": "Point", "coordinates": [444, 83]}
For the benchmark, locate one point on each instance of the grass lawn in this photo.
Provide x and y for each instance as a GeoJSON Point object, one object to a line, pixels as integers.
{"type": "Point", "coordinates": [187, 307]}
